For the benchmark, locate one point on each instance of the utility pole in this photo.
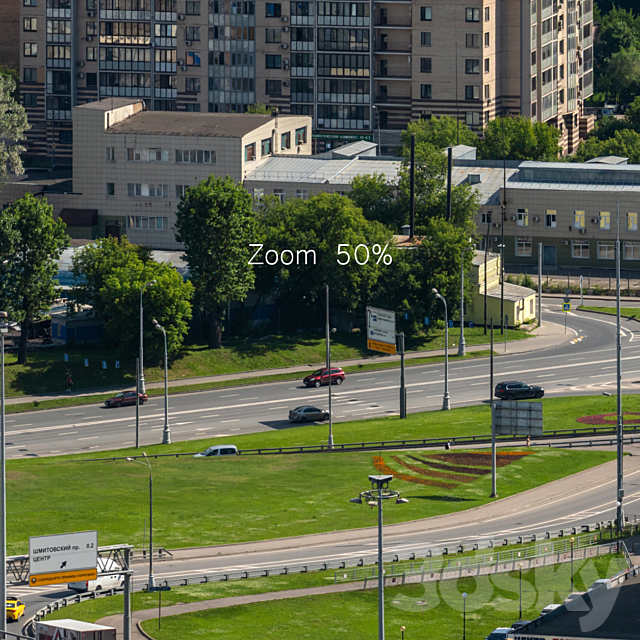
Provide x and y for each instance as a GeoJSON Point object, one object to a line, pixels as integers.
{"type": "Point", "coordinates": [620, 487]}
{"type": "Point", "coordinates": [504, 218]}
{"type": "Point", "coordinates": [493, 427]}
{"type": "Point", "coordinates": [539, 284]}
{"type": "Point", "coordinates": [449, 176]}
{"type": "Point", "coordinates": [328, 330]}
{"type": "Point", "coordinates": [403, 391]}
{"type": "Point", "coordinates": [486, 253]}
{"type": "Point", "coordinates": [137, 403]}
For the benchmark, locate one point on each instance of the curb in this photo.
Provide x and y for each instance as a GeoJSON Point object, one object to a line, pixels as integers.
{"type": "Point", "coordinates": [610, 315]}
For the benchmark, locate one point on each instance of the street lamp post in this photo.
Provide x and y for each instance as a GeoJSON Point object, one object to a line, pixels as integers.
{"type": "Point", "coordinates": [501, 247]}
{"type": "Point", "coordinates": [4, 327]}
{"type": "Point", "coordinates": [402, 630]}
{"type": "Point", "coordinates": [462, 345]}
{"type": "Point", "coordinates": [571, 565]}
{"type": "Point", "coordinates": [620, 419]}
{"type": "Point", "coordinates": [374, 498]}
{"type": "Point", "coordinates": [445, 400]}
{"type": "Point", "coordinates": [379, 139]}
{"type": "Point", "coordinates": [152, 582]}
{"type": "Point", "coordinates": [328, 333]}
{"type": "Point", "coordinates": [142, 288]}
{"type": "Point", "coordinates": [520, 580]}
{"type": "Point", "coordinates": [166, 434]}
{"type": "Point", "coordinates": [464, 616]}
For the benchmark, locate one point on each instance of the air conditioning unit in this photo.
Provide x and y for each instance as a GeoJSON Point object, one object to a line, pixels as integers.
{"type": "Point", "coordinates": [80, 63]}
{"type": "Point", "coordinates": [512, 218]}
{"type": "Point", "coordinates": [181, 16]}
{"type": "Point", "coordinates": [582, 231]}
{"type": "Point", "coordinates": [181, 63]}
{"type": "Point", "coordinates": [187, 43]}
{"type": "Point", "coordinates": [496, 225]}
{"type": "Point", "coordinates": [285, 63]}
{"type": "Point", "coordinates": [285, 83]}
{"type": "Point", "coordinates": [536, 218]}
{"type": "Point", "coordinates": [285, 29]}
{"type": "Point", "coordinates": [594, 220]}
{"type": "Point", "coordinates": [565, 243]}
{"type": "Point", "coordinates": [89, 38]}
{"type": "Point", "coordinates": [80, 75]}
{"type": "Point", "coordinates": [183, 68]}
{"type": "Point", "coordinates": [284, 46]}
{"type": "Point", "coordinates": [284, 19]}
{"type": "Point", "coordinates": [91, 14]}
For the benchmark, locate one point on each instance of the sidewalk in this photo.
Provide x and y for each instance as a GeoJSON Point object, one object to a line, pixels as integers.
{"type": "Point", "coordinates": [549, 335]}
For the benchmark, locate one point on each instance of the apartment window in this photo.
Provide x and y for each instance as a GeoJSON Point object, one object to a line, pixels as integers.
{"type": "Point", "coordinates": [274, 62]}
{"type": "Point", "coordinates": [486, 65]}
{"type": "Point", "coordinates": [302, 194]}
{"type": "Point", "coordinates": [472, 15]}
{"type": "Point", "coordinates": [30, 99]}
{"type": "Point", "coordinates": [279, 193]}
{"type": "Point", "coordinates": [487, 14]}
{"type": "Point", "coordinates": [631, 251]}
{"type": "Point", "coordinates": [472, 118]}
{"type": "Point", "coordinates": [193, 107]}
{"type": "Point", "coordinates": [110, 154]}
{"type": "Point", "coordinates": [29, 74]}
{"type": "Point", "coordinates": [111, 189]}
{"type": "Point", "coordinates": [265, 147]}
{"type": "Point", "coordinates": [285, 140]}
{"type": "Point", "coordinates": [605, 220]}
{"type": "Point", "coordinates": [30, 49]}
{"type": "Point", "coordinates": [158, 223]}
{"type": "Point", "coordinates": [29, 24]}
{"type": "Point", "coordinates": [472, 66]}
{"type": "Point", "coordinates": [258, 193]}
{"type": "Point", "coordinates": [487, 117]}
{"type": "Point", "coordinates": [487, 92]}
{"type": "Point", "coordinates": [274, 87]}
{"type": "Point", "coordinates": [181, 190]}
{"type": "Point", "coordinates": [561, 47]}
{"type": "Point", "coordinates": [250, 153]}
{"type": "Point", "coordinates": [523, 247]}
{"type": "Point", "coordinates": [472, 40]}
{"type": "Point", "coordinates": [192, 85]}
{"type": "Point", "coordinates": [301, 135]}
{"type": "Point", "coordinates": [274, 9]}
{"type": "Point", "coordinates": [578, 219]}
{"type": "Point", "coordinates": [195, 156]}
{"type": "Point", "coordinates": [147, 155]}
{"type": "Point", "coordinates": [425, 91]}
{"type": "Point", "coordinates": [92, 29]}
{"type": "Point", "coordinates": [192, 59]}
{"type": "Point", "coordinates": [425, 39]}
{"type": "Point", "coordinates": [632, 221]}
{"type": "Point", "coordinates": [471, 92]}
{"type": "Point", "coordinates": [550, 219]}
{"type": "Point", "coordinates": [192, 8]}
{"type": "Point", "coordinates": [92, 5]}
{"type": "Point", "coordinates": [579, 249]}
{"type": "Point", "coordinates": [487, 40]}
{"type": "Point", "coordinates": [425, 65]}
{"type": "Point", "coordinates": [274, 35]}
{"type": "Point", "coordinates": [522, 218]}
{"type": "Point", "coordinates": [29, 3]}
{"type": "Point", "coordinates": [65, 137]}
{"type": "Point", "coordinates": [606, 250]}
{"type": "Point", "coordinates": [425, 14]}
{"type": "Point", "coordinates": [192, 33]}
{"type": "Point", "coordinates": [91, 53]}
{"type": "Point", "coordinates": [147, 190]}
{"type": "Point", "coordinates": [485, 218]}
{"type": "Point", "coordinates": [92, 80]}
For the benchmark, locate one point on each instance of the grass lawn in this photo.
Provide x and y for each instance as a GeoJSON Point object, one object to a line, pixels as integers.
{"type": "Point", "coordinates": [427, 610]}
{"type": "Point", "coordinates": [246, 498]}
{"type": "Point", "coordinates": [631, 312]}
{"type": "Point", "coordinates": [46, 370]}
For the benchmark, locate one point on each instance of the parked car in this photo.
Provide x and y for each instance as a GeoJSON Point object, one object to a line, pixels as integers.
{"type": "Point", "coordinates": [607, 112]}
{"type": "Point", "coordinates": [218, 450]}
{"type": "Point", "coordinates": [500, 633]}
{"type": "Point", "coordinates": [102, 582]}
{"type": "Point", "coordinates": [611, 106]}
{"type": "Point", "coordinates": [125, 398]}
{"type": "Point", "coordinates": [15, 609]}
{"type": "Point", "coordinates": [517, 391]}
{"type": "Point", "coordinates": [307, 413]}
{"type": "Point", "coordinates": [321, 377]}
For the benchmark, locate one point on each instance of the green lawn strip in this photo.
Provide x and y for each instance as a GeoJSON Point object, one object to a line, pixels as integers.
{"type": "Point", "coordinates": [629, 312]}
{"type": "Point", "coordinates": [243, 498]}
{"type": "Point", "coordinates": [46, 370]}
{"type": "Point", "coordinates": [67, 401]}
{"type": "Point", "coordinates": [428, 610]}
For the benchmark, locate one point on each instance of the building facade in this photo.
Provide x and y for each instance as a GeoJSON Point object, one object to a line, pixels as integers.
{"type": "Point", "coordinates": [10, 30]}
{"type": "Point", "coordinates": [361, 70]}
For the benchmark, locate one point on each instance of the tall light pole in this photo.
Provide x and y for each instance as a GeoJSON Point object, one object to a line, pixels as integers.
{"type": "Point", "coordinates": [166, 434]}
{"type": "Point", "coordinates": [620, 430]}
{"type": "Point", "coordinates": [152, 582]}
{"type": "Point", "coordinates": [461, 346]}
{"type": "Point", "coordinates": [379, 138]}
{"type": "Point", "coordinates": [520, 584]}
{"type": "Point", "coordinates": [445, 400]}
{"type": "Point", "coordinates": [374, 497]}
{"type": "Point", "coordinates": [571, 567]}
{"type": "Point", "coordinates": [464, 616]}
{"type": "Point", "coordinates": [4, 327]}
{"type": "Point", "coordinates": [501, 247]}
{"type": "Point", "coordinates": [328, 335]}
{"type": "Point", "coordinates": [142, 288]}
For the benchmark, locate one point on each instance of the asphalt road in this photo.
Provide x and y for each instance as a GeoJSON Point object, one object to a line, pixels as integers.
{"type": "Point", "coordinates": [584, 365]}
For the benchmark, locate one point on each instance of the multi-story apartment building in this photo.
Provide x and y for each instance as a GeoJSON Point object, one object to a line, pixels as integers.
{"type": "Point", "coordinates": [360, 69]}
{"type": "Point", "coordinates": [10, 30]}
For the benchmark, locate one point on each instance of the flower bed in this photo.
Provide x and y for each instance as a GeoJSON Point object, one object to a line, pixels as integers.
{"type": "Point", "coordinates": [611, 419]}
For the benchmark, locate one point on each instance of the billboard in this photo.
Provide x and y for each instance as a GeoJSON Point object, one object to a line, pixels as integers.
{"type": "Point", "coordinates": [512, 417]}
{"type": "Point", "coordinates": [381, 330]}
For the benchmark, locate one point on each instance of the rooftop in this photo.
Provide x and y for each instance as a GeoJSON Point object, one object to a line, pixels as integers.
{"type": "Point", "coordinates": [109, 104]}
{"type": "Point", "coordinates": [512, 292]}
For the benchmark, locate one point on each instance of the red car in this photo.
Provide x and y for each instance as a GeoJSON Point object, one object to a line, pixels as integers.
{"type": "Point", "coordinates": [125, 398]}
{"type": "Point", "coordinates": [321, 376]}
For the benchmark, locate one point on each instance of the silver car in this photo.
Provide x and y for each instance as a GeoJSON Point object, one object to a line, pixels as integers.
{"type": "Point", "coordinates": [307, 413]}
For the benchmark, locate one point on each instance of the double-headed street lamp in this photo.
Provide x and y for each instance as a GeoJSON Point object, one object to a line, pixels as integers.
{"type": "Point", "coordinates": [374, 498]}
{"type": "Point", "coordinates": [152, 582]}
{"type": "Point", "coordinates": [445, 400]}
{"type": "Point", "coordinates": [166, 434]}
{"type": "Point", "coordinates": [461, 346]}
{"type": "Point", "coordinates": [141, 372]}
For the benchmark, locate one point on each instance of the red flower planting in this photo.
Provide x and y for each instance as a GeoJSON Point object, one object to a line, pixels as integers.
{"type": "Point", "coordinates": [611, 419]}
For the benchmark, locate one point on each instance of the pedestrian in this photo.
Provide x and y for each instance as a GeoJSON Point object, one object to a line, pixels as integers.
{"type": "Point", "coordinates": [448, 445]}
{"type": "Point", "coordinates": [69, 383]}
{"type": "Point", "coordinates": [528, 441]}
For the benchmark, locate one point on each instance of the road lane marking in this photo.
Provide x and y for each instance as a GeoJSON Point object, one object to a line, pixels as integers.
{"type": "Point", "coordinates": [89, 438]}
{"type": "Point", "coordinates": [236, 420]}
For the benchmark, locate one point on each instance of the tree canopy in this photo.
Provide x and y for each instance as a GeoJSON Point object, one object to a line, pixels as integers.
{"type": "Point", "coordinates": [13, 124]}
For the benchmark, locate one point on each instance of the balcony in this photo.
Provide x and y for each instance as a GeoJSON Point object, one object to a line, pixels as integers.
{"type": "Point", "coordinates": [392, 101]}
{"type": "Point", "coordinates": [392, 73]}
{"type": "Point", "coordinates": [166, 93]}
{"type": "Point", "coordinates": [392, 48]}
{"type": "Point", "coordinates": [393, 22]}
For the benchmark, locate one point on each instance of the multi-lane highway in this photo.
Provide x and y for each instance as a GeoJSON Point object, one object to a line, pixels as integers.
{"type": "Point", "coordinates": [585, 364]}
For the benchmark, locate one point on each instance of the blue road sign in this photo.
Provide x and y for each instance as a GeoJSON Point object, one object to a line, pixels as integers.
{"type": "Point", "coordinates": [471, 325]}
{"type": "Point", "coordinates": [159, 589]}
{"type": "Point", "coordinates": [406, 316]}
{"type": "Point", "coordinates": [566, 306]}
{"type": "Point", "coordinates": [426, 320]}
{"type": "Point", "coordinates": [450, 324]}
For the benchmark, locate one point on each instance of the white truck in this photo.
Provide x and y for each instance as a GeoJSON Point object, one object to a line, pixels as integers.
{"type": "Point", "coordinates": [103, 582]}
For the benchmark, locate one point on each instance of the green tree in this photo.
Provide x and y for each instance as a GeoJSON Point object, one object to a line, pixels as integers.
{"type": "Point", "coordinates": [168, 302]}
{"type": "Point", "coordinates": [317, 226]}
{"type": "Point", "coordinates": [14, 74]}
{"type": "Point", "coordinates": [13, 124]}
{"type": "Point", "coordinates": [519, 139]}
{"type": "Point", "coordinates": [260, 108]}
{"type": "Point", "coordinates": [376, 196]}
{"type": "Point", "coordinates": [37, 243]}
{"type": "Point", "coordinates": [216, 223]}
{"type": "Point", "coordinates": [624, 143]}
{"type": "Point", "coordinates": [623, 73]}
{"type": "Point", "coordinates": [632, 115]}
{"type": "Point", "coordinates": [440, 132]}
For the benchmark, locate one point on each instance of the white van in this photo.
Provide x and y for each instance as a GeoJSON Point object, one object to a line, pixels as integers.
{"type": "Point", "coordinates": [102, 583]}
{"type": "Point", "coordinates": [218, 450]}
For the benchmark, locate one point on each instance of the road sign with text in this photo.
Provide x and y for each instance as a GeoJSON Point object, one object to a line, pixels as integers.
{"type": "Point", "coordinates": [381, 330]}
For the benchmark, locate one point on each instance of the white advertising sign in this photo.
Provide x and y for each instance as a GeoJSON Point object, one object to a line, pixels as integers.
{"type": "Point", "coordinates": [381, 330]}
{"type": "Point", "coordinates": [63, 552]}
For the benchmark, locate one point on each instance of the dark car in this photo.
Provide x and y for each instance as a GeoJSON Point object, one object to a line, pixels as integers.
{"type": "Point", "coordinates": [307, 413]}
{"type": "Point", "coordinates": [321, 377]}
{"type": "Point", "coordinates": [125, 398]}
{"type": "Point", "coordinates": [517, 391]}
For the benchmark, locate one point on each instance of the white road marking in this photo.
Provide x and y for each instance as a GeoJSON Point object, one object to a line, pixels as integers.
{"type": "Point", "coordinates": [230, 395]}
{"type": "Point", "coordinates": [236, 420]}
{"type": "Point", "coordinates": [89, 438]}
